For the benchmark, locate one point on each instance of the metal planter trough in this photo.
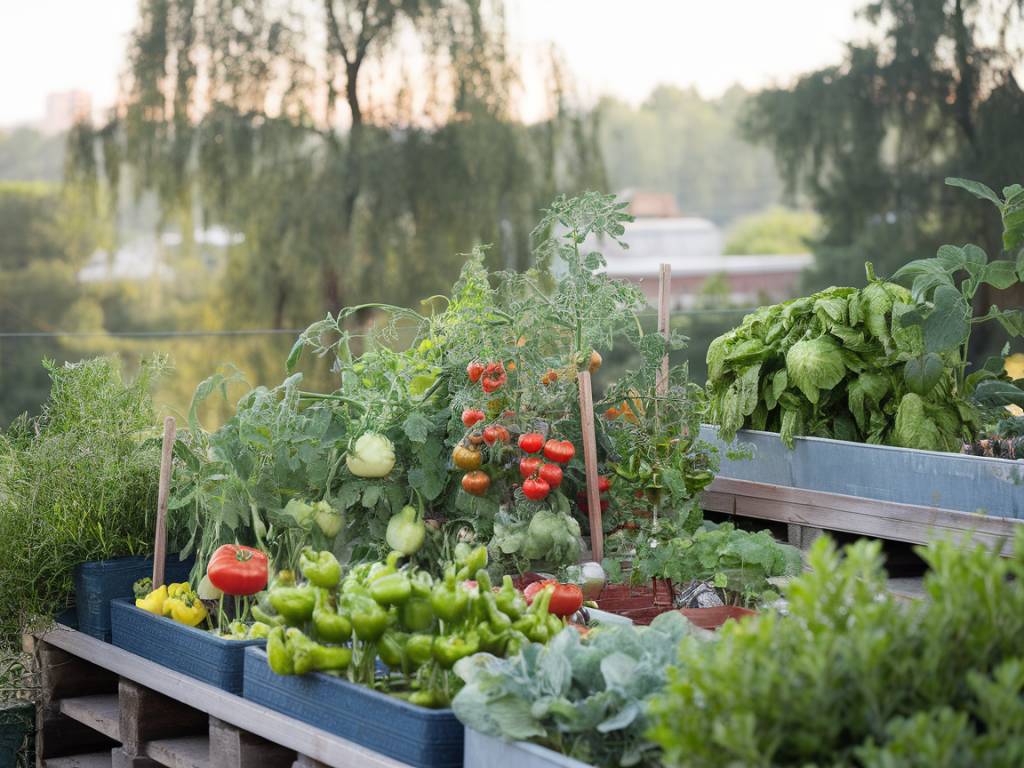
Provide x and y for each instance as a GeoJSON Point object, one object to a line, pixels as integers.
{"type": "Point", "coordinates": [482, 750]}
{"type": "Point", "coordinates": [875, 490]}
{"type": "Point", "coordinates": [426, 738]}
{"type": "Point", "coordinates": [191, 651]}
{"type": "Point", "coordinates": [99, 582]}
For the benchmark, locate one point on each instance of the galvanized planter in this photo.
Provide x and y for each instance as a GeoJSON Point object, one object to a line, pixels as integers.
{"type": "Point", "coordinates": [488, 752]}
{"type": "Point", "coordinates": [948, 481]}
{"type": "Point", "coordinates": [191, 651]}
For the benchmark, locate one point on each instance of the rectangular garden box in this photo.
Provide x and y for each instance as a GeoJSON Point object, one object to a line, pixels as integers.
{"type": "Point", "coordinates": [482, 750]}
{"type": "Point", "coordinates": [99, 582]}
{"type": "Point", "coordinates": [189, 650]}
{"type": "Point", "coordinates": [426, 738]}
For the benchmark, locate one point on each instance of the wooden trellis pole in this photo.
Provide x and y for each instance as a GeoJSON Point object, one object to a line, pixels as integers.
{"type": "Point", "coordinates": [160, 542]}
{"type": "Point", "coordinates": [590, 463]}
{"type": "Point", "coordinates": [664, 312]}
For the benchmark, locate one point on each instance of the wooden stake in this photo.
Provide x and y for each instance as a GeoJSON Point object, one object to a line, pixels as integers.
{"type": "Point", "coordinates": [590, 461]}
{"type": "Point", "coordinates": [160, 543]}
{"type": "Point", "coordinates": [664, 290]}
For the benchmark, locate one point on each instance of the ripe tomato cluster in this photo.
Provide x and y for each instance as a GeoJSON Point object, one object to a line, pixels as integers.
{"type": "Point", "coordinates": [540, 477]}
{"type": "Point", "coordinates": [492, 376]}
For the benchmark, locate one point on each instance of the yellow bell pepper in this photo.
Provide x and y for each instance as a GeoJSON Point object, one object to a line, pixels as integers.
{"type": "Point", "coordinates": [186, 609]}
{"type": "Point", "coordinates": [179, 589]}
{"type": "Point", "coordinates": [154, 601]}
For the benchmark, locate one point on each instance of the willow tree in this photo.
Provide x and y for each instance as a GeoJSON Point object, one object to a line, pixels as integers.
{"type": "Point", "coordinates": [358, 145]}
{"type": "Point", "coordinates": [933, 91]}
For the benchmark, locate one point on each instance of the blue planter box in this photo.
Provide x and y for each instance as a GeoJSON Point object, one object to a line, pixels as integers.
{"type": "Point", "coordinates": [191, 651]}
{"type": "Point", "coordinates": [901, 475]}
{"type": "Point", "coordinates": [426, 738]}
{"type": "Point", "coordinates": [99, 582]}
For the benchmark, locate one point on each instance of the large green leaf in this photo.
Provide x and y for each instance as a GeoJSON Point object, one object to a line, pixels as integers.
{"type": "Point", "coordinates": [814, 365]}
{"type": "Point", "coordinates": [1000, 274]}
{"type": "Point", "coordinates": [924, 275]}
{"type": "Point", "coordinates": [993, 393]}
{"type": "Point", "coordinates": [976, 188]}
{"type": "Point", "coordinates": [923, 373]}
{"type": "Point", "coordinates": [948, 324]}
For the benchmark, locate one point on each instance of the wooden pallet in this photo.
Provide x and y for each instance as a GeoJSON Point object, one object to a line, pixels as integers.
{"type": "Point", "coordinates": [854, 514]}
{"type": "Point", "coordinates": [102, 706]}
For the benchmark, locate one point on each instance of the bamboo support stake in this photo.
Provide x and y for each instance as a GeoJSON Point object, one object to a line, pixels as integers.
{"type": "Point", "coordinates": [664, 289]}
{"type": "Point", "coordinates": [160, 543]}
{"type": "Point", "coordinates": [590, 462]}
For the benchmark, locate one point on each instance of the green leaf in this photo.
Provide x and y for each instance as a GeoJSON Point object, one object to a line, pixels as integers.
{"type": "Point", "coordinates": [814, 365]}
{"type": "Point", "coordinates": [974, 257]}
{"type": "Point", "coordinates": [923, 373]}
{"type": "Point", "coordinates": [995, 393]}
{"type": "Point", "coordinates": [371, 496]}
{"type": "Point", "coordinates": [976, 188]}
{"type": "Point", "coordinates": [951, 257]}
{"type": "Point", "coordinates": [947, 325]}
{"type": "Point", "coordinates": [294, 355]}
{"type": "Point", "coordinates": [417, 427]}
{"type": "Point", "coordinates": [1000, 274]}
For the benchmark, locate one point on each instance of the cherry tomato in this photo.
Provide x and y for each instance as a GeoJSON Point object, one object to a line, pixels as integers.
{"type": "Point", "coordinates": [492, 434]}
{"type": "Point", "coordinates": [490, 385]}
{"type": "Point", "coordinates": [474, 371]}
{"type": "Point", "coordinates": [565, 600]}
{"type": "Point", "coordinates": [561, 451]}
{"type": "Point", "coordinates": [476, 482]}
{"type": "Point", "coordinates": [603, 484]}
{"type": "Point", "coordinates": [475, 438]}
{"type": "Point", "coordinates": [529, 465]}
{"type": "Point", "coordinates": [536, 489]}
{"type": "Point", "coordinates": [466, 458]}
{"type": "Point", "coordinates": [503, 435]}
{"type": "Point", "coordinates": [471, 416]}
{"type": "Point", "coordinates": [531, 442]}
{"type": "Point", "coordinates": [551, 474]}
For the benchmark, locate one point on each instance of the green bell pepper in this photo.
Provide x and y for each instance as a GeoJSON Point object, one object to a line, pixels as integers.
{"type": "Point", "coordinates": [331, 625]}
{"type": "Point", "coordinates": [392, 589]}
{"type": "Point", "coordinates": [415, 614]}
{"type": "Point", "coordinates": [308, 656]}
{"type": "Point", "coordinates": [449, 600]}
{"type": "Point", "coordinates": [472, 562]}
{"type": "Point", "coordinates": [259, 630]}
{"type": "Point", "coordinates": [278, 656]}
{"type": "Point", "coordinates": [369, 620]}
{"type": "Point", "coordinates": [321, 569]}
{"type": "Point", "coordinates": [419, 650]}
{"type": "Point", "coordinates": [449, 649]}
{"type": "Point", "coordinates": [510, 601]}
{"type": "Point", "coordinates": [391, 649]}
{"type": "Point", "coordinates": [294, 604]}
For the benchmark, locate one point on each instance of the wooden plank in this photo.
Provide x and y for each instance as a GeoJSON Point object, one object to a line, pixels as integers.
{"type": "Point", "coordinates": [92, 760]}
{"type": "Point", "coordinates": [231, 747]}
{"type": "Point", "coordinates": [100, 712]}
{"type": "Point", "coordinates": [853, 514]}
{"type": "Point", "coordinates": [57, 735]}
{"type": "Point", "coordinates": [64, 675]}
{"type": "Point", "coordinates": [273, 726]}
{"type": "Point", "coordinates": [181, 752]}
{"type": "Point", "coordinates": [150, 716]}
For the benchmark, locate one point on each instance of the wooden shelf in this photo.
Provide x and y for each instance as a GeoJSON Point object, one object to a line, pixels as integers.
{"type": "Point", "coordinates": [101, 713]}
{"type": "Point", "coordinates": [183, 752]}
{"type": "Point", "coordinates": [94, 760]}
{"type": "Point", "coordinates": [272, 726]}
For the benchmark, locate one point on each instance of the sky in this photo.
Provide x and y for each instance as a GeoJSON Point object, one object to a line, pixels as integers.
{"type": "Point", "coordinates": [618, 47]}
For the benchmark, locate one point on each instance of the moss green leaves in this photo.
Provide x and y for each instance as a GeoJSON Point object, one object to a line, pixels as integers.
{"type": "Point", "coordinates": [814, 365]}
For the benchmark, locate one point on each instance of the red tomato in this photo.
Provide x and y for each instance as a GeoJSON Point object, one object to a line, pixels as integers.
{"type": "Point", "coordinates": [531, 442]}
{"type": "Point", "coordinates": [529, 465]}
{"type": "Point", "coordinates": [503, 434]}
{"type": "Point", "coordinates": [565, 601]}
{"type": "Point", "coordinates": [603, 484]}
{"type": "Point", "coordinates": [490, 385]}
{"type": "Point", "coordinates": [561, 451]}
{"type": "Point", "coordinates": [474, 371]}
{"type": "Point", "coordinates": [492, 434]}
{"type": "Point", "coordinates": [476, 482]}
{"type": "Point", "coordinates": [551, 474]}
{"type": "Point", "coordinates": [471, 416]}
{"type": "Point", "coordinates": [238, 570]}
{"type": "Point", "coordinates": [536, 489]}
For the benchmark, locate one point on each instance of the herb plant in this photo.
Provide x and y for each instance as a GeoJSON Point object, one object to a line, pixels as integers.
{"type": "Point", "coordinates": [854, 676]}
{"type": "Point", "coordinates": [585, 697]}
{"type": "Point", "coordinates": [77, 483]}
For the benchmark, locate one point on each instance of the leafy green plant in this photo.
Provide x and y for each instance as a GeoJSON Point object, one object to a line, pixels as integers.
{"type": "Point", "coordinates": [834, 364]}
{"type": "Point", "coordinates": [945, 312]}
{"type": "Point", "coordinates": [584, 697]}
{"type": "Point", "coordinates": [78, 483]}
{"type": "Point", "coordinates": [853, 673]}
{"type": "Point", "coordinates": [739, 563]}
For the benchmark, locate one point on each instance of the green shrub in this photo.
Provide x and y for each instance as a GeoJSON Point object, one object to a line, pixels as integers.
{"type": "Point", "coordinates": [855, 676]}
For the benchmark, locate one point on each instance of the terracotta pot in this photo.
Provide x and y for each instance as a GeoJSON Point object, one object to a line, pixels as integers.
{"type": "Point", "coordinates": [713, 618]}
